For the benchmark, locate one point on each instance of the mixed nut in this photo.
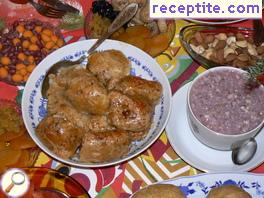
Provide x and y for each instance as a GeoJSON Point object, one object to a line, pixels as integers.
{"type": "Point", "coordinates": [234, 49]}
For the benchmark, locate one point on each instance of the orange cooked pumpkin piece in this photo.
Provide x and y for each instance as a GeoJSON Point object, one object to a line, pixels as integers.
{"type": "Point", "coordinates": [9, 156]}
{"type": "Point", "coordinates": [23, 159]}
{"type": "Point", "coordinates": [7, 136]}
{"type": "Point", "coordinates": [157, 44]}
{"type": "Point", "coordinates": [123, 37]}
{"type": "Point", "coordinates": [3, 145]}
{"type": "Point", "coordinates": [138, 31]}
{"type": "Point", "coordinates": [137, 41]}
{"type": "Point", "coordinates": [23, 142]}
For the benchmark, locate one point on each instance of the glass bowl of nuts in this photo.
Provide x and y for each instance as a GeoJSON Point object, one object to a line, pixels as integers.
{"type": "Point", "coordinates": [212, 46]}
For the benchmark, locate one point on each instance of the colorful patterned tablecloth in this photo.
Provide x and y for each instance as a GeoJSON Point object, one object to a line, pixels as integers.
{"type": "Point", "coordinates": [157, 163]}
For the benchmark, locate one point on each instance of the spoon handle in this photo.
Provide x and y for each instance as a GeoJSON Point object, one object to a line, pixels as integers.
{"type": "Point", "coordinates": [122, 18]}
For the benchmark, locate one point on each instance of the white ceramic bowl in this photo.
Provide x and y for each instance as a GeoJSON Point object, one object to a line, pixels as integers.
{"type": "Point", "coordinates": [209, 137]}
{"type": "Point", "coordinates": [34, 106]}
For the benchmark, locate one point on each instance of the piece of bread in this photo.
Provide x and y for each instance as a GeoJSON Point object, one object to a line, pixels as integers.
{"type": "Point", "coordinates": [158, 191]}
{"type": "Point", "coordinates": [228, 191]}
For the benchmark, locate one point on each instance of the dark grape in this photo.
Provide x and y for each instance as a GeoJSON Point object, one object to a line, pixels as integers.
{"type": "Point", "coordinates": [104, 9]}
{"type": "Point", "coordinates": [112, 15]}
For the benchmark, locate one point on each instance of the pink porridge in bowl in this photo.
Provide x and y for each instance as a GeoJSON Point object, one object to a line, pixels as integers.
{"type": "Point", "coordinates": [221, 106]}
{"type": "Point", "coordinates": [221, 101]}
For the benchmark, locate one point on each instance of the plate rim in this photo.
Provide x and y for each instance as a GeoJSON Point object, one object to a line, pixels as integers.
{"type": "Point", "coordinates": [183, 156]}
{"type": "Point", "coordinates": [216, 23]}
{"type": "Point", "coordinates": [216, 173]}
{"type": "Point", "coordinates": [106, 164]}
{"type": "Point", "coordinates": [203, 175]}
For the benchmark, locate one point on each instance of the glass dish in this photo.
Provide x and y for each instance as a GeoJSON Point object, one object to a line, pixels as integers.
{"type": "Point", "coordinates": [187, 33]}
{"type": "Point", "coordinates": [159, 43]}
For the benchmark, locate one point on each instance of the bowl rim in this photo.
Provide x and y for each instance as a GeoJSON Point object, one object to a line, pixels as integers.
{"type": "Point", "coordinates": [197, 57]}
{"type": "Point", "coordinates": [53, 173]}
{"type": "Point", "coordinates": [204, 22]}
{"type": "Point", "coordinates": [219, 68]}
{"type": "Point", "coordinates": [110, 163]}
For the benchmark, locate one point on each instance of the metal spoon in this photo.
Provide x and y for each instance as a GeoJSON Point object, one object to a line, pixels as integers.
{"type": "Point", "coordinates": [244, 151]}
{"type": "Point", "coordinates": [122, 18]}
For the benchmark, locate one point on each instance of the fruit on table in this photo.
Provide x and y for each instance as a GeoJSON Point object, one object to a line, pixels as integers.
{"type": "Point", "coordinates": [152, 36]}
{"type": "Point", "coordinates": [17, 149]}
{"type": "Point", "coordinates": [100, 18]}
{"type": "Point", "coordinates": [98, 25]}
{"type": "Point", "coordinates": [140, 31]}
{"type": "Point", "coordinates": [10, 121]}
{"type": "Point", "coordinates": [8, 157]}
{"type": "Point", "coordinates": [141, 37]}
{"type": "Point", "coordinates": [27, 142]}
{"type": "Point", "coordinates": [22, 46]}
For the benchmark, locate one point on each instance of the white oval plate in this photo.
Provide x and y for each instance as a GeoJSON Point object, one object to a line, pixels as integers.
{"type": "Point", "coordinates": [34, 106]}
{"type": "Point", "coordinates": [198, 186]}
{"type": "Point", "coordinates": [193, 151]}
